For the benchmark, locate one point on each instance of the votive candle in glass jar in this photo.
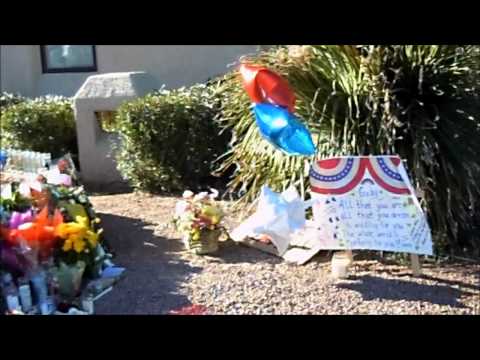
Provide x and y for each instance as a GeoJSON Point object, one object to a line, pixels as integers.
{"type": "Point", "coordinates": [340, 265]}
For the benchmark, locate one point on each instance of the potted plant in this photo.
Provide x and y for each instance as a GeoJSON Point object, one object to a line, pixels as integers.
{"type": "Point", "coordinates": [198, 218]}
{"type": "Point", "coordinates": [77, 251]}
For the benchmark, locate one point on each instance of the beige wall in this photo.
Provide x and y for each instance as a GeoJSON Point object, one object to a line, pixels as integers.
{"type": "Point", "coordinates": [20, 68]}
{"type": "Point", "coordinates": [172, 65]}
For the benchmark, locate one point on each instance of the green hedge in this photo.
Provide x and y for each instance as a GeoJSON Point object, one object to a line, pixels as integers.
{"type": "Point", "coordinates": [7, 99]}
{"type": "Point", "coordinates": [44, 124]}
{"type": "Point", "coordinates": [170, 139]}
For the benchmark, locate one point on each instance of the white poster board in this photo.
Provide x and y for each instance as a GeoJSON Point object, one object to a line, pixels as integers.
{"type": "Point", "coordinates": [367, 203]}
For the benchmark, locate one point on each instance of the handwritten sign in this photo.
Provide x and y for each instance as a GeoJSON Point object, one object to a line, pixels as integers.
{"type": "Point", "coordinates": [367, 203]}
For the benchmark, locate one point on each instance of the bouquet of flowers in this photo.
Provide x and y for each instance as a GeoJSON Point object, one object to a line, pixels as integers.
{"type": "Point", "coordinates": [78, 248]}
{"type": "Point", "coordinates": [77, 238]}
{"type": "Point", "coordinates": [50, 227]}
{"type": "Point", "coordinates": [199, 219]}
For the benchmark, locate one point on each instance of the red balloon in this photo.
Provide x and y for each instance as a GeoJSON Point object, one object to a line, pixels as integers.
{"type": "Point", "coordinates": [263, 85]}
{"type": "Point", "coordinates": [249, 74]}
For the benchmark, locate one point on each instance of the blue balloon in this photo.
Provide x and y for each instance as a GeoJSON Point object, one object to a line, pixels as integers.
{"type": "Point", "coordinates": [3, 158]}
{"type": "Point", "coordinates": [283, 130]}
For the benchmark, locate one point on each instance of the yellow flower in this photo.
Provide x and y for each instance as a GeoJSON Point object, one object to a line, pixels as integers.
{"type": "Point", "coordinates": [92, 237]}
{"type": "Point", "coordinates": [66, 229]}
{"type": "Point", "coordinates": [210, 211]}
{"type": "Point", "coordinates": [67, 245]}
{"type": "Point", "coordinates": [75, 210]}
{"type": "Point", "coordinates": [79, 245]}
{"type": "Point", "coordinates": [60, 230]}
{"type": "Point", "coordinates": [78, 234]}
{"type": "Point", "coordinates": [74, 237]}
{"type": "Point", "coordinates": [82, 220]}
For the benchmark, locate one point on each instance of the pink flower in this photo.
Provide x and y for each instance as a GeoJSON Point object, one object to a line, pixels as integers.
{"type": "Point", "coordinates": [66, 180]}
{"type": "Point", "coordinates": [17, 219]}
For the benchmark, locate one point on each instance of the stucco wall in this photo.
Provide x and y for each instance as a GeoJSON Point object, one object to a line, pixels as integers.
{"type": "Point", "coordinates": [20, 68]}
{"type": "Point", "coordinates": [172, 65]}
{"type": "Point", "coordinates": [103, 93]}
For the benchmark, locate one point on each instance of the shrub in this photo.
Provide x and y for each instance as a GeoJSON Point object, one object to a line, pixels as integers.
{"type": "Point", "coordinates": [434, 103]}
{"type": "Point", "coordinates": [7, 99]}
{"type": "Point", "coordinates": [169, 139]}
{"type": "Point", "coordinates": [44, 124]}
{"type": "Point", "coordinates": [421, 102]}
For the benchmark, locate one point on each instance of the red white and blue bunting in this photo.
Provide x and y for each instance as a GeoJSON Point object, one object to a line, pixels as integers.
{"type": "Point", "coordinates": [342, 174]}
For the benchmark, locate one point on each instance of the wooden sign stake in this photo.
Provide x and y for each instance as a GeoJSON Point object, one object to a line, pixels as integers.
{"type": "Point", "coordinates": [416, 268]}
{"type": "Point", "coordinates": [349, 253]}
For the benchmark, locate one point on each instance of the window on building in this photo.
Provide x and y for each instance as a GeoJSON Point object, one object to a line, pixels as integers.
{"type": "Point", "coordinates": [68, 58]}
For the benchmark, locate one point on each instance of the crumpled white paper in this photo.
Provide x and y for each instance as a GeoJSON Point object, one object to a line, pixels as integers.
{"type": "Point", "coordinates": [24, 188]}
{"type": "Point", "coordinates": [55, 177]}
{"type": "Point", "coordinates": [277, 215]}
{"type": "Point", "coordinates": [6, 191]}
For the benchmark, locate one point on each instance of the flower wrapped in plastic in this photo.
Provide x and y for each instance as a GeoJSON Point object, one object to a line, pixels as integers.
{"type": "Point", "coordinates": [76, 253]}
{"type": "Point", "coordinates": [74, 201]}
{"type": "Point", "coordinates": [69, 277]}
{"type": "Point", "coordinates": [198, 218]}
{"type": "Point", "coordinates": [38, 233]}
{"type": "Point", "coordinates": [19, 218]}
{"type": "Point", "coordinates": [11, 259]}
{"type": "Point", "coordinates": [78, 235]}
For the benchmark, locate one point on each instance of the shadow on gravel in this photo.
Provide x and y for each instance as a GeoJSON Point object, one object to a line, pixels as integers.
{"type": "Point", "coordinates": [372, 288]}
{"type": "Point", "coordinates": [154, 272]}
{"type": "Point", "coordinates": [233, 253]}
{"type": "Point", "coordinates": [407, 273]}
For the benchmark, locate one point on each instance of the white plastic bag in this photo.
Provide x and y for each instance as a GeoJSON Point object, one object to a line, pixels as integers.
{"type": "Point", "coordinates": [55, 177]}
{"type": "Point", "coordinates": [277, 215]}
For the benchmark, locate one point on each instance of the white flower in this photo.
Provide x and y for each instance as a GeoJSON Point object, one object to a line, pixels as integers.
{"type": "Point", "coordinates": [187, 194]}
{"type": "Point", "coordinates": [214, 194]}
{"type": "Point", "coordinates": [295, 51]}
{"type": "Point", "coordinates": [181, 208]}
{"type": "Point", "coordinates": [299, 52]}
{"type": "Point", "coordinates": [201, 196]}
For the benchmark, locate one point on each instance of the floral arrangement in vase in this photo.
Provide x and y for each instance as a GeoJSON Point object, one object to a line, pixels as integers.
{"type": "Point", "coordinates": [49, 237]}
{"type": "Point", "coordinates": [198, 217]}
{"type": "Point", "coordinates": [78, 239]}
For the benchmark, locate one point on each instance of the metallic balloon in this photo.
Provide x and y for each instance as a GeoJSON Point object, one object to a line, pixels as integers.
{"type": "Point", "coordinates": [3, 159]}
{"type": "Point", "coordinates": [265, 86]}
{"type": "Point", "coordinates": [283, 130]}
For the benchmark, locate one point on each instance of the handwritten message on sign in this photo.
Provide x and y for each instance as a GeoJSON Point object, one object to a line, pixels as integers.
{"type": "Point", "coordinates": [364, 203]}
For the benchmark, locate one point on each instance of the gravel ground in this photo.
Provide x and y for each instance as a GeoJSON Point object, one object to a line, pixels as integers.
{"type": "Point", "coordinates": [162, 277]}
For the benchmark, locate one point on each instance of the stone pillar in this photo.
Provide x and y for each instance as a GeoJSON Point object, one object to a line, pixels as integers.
{"type": "Point", "coordinates": [104, 92]}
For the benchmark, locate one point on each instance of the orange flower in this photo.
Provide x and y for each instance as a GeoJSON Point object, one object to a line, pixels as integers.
{"type": "Point", "coordinates": [40, 232]}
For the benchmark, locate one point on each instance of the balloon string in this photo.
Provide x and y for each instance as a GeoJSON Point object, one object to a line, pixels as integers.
{"type": "Point", "coordinates": [302, 183]}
